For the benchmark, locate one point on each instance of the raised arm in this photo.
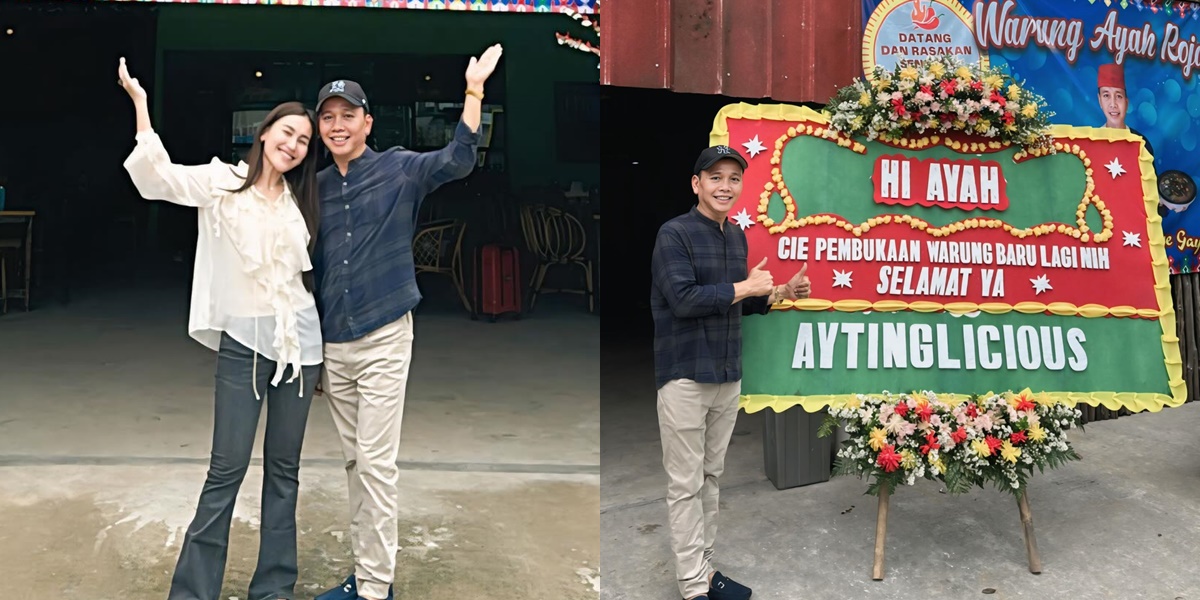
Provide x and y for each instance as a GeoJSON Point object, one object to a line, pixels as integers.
{"type": "Point", "coordinates": [433, 169]}
{"type": "Point", "coordinates": [149, 165]}
{"type": "Point", "coordinates": [478, 71]}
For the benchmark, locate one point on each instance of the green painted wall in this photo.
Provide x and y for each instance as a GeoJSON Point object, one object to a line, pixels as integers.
{"type": "Point", "coordinates": [533, 59]}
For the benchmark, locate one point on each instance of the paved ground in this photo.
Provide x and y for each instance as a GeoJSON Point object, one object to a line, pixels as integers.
{"type": "Point", "coordinates": [1123, 523]}
{"type": "Point", "coordinates": [105, 425]}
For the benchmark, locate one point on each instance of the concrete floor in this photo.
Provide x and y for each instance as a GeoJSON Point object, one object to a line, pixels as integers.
{"type": "Point", "coordinates": [105, 428]}
{"type": "Point", "coordinates": [1122, 523]}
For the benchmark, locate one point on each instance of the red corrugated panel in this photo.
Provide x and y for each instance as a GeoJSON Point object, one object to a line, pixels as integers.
{"type": "Point", "coordinates": [787, 50]}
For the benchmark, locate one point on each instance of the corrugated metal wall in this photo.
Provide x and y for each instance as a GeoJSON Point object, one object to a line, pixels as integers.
{"type": "Point", "coordinates": [786, 50]}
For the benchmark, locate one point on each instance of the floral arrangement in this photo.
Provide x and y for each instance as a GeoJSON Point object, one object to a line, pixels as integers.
{"type": "Point", "coordinates": [998, 438]}
{"type": "Point", "coordinates": [941, 95]}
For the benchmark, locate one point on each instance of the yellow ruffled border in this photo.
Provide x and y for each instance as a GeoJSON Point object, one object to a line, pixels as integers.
{"type": "Point", "coordinates": [1134, 401]}
{"type": "Point", "coordinates": [1066, 309]}
{"type": "Point", "coordinates": [1158, 254]}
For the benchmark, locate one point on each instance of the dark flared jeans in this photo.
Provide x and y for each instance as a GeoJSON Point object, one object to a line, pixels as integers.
{"type": "Point", "coordinates": [201, 566]}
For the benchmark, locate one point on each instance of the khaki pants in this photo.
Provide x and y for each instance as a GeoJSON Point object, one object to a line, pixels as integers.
{"type": "Point", "coordinates": [365, 381]}
{"type": "Point", "coordinates": [695, 421]}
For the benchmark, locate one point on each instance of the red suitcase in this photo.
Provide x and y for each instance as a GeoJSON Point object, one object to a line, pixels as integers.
{"type": "Point", "coordinates": [497, 281]}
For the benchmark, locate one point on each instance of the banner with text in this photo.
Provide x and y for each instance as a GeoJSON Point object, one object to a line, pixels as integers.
{"type": "Point", "coordinates": [1122, 64]}
{"type": "Point", "coordinates": [952, 268]}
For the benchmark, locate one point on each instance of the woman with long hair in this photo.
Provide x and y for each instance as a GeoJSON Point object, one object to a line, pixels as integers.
{"type": "Point", "coordinates": [251, 302]}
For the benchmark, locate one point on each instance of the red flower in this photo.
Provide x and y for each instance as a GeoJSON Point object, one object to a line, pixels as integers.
{"type": "Point", "coordinates": [959, 435]}
{"type": "Point", "coordinates": [925, 412]}
{"type": "Point", "coordinates": [1024, 403]}
{"type": "Point", "coordinates": [925, 89]}
{"type": "Point", "coordinates": [972, 411]}
{"type": "Point", "coordinates": [947, 117]}
{"type": "Point", "coordinates": [977, 86]}
{"type": "Point", "coordinates": [930, 443]}
{"type": "Point", "coordinates": [993, 443]}
{"type": "Point", "coordinates": [1017, 437]}
{"type": "Point", "coordinates": [902, 409]}
{"type": "Point", "coordinates": [898, 106]}
{"type": "Point", "coordinates": [950, 86]}
{"type": "Point", "coordinates": [888, 459]}
{"type": "Point", "coordinates": [1009, 117]}
{"type": "Point", "coordinates": [998, 98]}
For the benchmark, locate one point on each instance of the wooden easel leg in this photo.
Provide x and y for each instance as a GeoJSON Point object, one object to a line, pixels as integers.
{"type": "Point", "coordinates": [1035, 559]}
{"type": "Point", "coordinates": [880, 534]}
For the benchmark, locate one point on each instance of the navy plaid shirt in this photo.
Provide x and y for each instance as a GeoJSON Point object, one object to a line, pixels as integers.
{"type": "Point", "coordinates": [363, 261]}
{"type": "Point", "coordinates": [697, 327]}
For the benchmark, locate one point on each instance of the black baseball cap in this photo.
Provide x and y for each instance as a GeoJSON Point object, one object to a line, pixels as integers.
{"type": "Point", "coordinates": [343, 88]}
{"type": "Point", "coordinates": [711, 155]}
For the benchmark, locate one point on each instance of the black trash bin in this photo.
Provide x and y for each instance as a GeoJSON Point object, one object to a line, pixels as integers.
{"type": "Point", "coordinates": [792, 452]}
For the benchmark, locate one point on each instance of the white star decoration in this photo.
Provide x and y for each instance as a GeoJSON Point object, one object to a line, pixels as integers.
{"type": "Point", "coordinates": [754, 146]}
{"type": "Point", "coordinates": [1114, 168]}
{"type": "Point", "coordinates": [1041, 284]}
{"type": "Point", "coordinates": [743, 219]}
{"type": "Point", "coordinates": [842, 278]}
{"type": "Point", "coordinates": [1132, 239]}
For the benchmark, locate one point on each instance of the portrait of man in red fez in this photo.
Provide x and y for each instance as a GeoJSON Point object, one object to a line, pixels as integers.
{"type": "Point", "coordinates": [1113, 101]}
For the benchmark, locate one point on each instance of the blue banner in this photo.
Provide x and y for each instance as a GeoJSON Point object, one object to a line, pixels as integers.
{"type": "Point", "coordinates": [1099, 63]}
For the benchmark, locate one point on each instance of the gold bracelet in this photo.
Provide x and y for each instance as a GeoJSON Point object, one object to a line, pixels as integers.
{"type": "Point", "coordinates": [471, 92]}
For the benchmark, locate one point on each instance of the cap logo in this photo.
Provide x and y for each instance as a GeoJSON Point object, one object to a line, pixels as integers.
{"type": "Point", "coordinates": [337, 86]}
{"type": "Point", "coordinates": [723, 150]}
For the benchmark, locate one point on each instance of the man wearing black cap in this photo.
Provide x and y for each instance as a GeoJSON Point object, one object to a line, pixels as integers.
{"type": "Point", "coordinates": [366, 290]}
{"type": "Point", "coordinates": [701, 290]}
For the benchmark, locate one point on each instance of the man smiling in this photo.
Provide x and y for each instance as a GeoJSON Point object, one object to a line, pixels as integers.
{"type": "Point", "coordinates": [366, 291]}
{"type": "Point", "coordinates": [701, 289]}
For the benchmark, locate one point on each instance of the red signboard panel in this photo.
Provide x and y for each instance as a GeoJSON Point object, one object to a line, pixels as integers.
{"type": "Point", "coordinates": [737, 48]}
{"type": "Point", "coordinates": [518, 6]}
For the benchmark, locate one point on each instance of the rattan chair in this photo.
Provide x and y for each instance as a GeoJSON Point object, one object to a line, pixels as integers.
{"type": "Point", "coordinates": [556, 238]}
{"type": "Point", "coordinates": [437, 248]}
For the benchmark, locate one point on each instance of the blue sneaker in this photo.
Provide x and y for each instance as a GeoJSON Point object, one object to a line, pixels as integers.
{"type": "Point", "coordinates": [389, 596]}
{"type": "Point", "coordinates": [344, 591]}
{"type": "Point", "coordinates": [348, 590]}
{"type": "Point", "coordinates": [724, 588]}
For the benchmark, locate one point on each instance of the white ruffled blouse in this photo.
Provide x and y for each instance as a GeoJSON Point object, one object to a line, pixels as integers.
{"type": "Point", "coordinates": [250, 255]}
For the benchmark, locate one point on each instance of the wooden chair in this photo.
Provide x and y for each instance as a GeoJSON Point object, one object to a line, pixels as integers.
{"type": "Point", "coordinates": [556, 238]}
{"type": "Point", "coordinates": [3, 278]}
{"type": "Point", "coordinates": [12, 247]}
{"type": "Point", "coordinates": [437, 248]}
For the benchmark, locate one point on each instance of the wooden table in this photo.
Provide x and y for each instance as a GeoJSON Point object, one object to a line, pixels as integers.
{"type": "Point", "coordinates": [21, 216]}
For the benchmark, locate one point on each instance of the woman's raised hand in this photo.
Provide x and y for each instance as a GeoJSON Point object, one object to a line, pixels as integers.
{"type": "Point", "coordinates": [130, 84]}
